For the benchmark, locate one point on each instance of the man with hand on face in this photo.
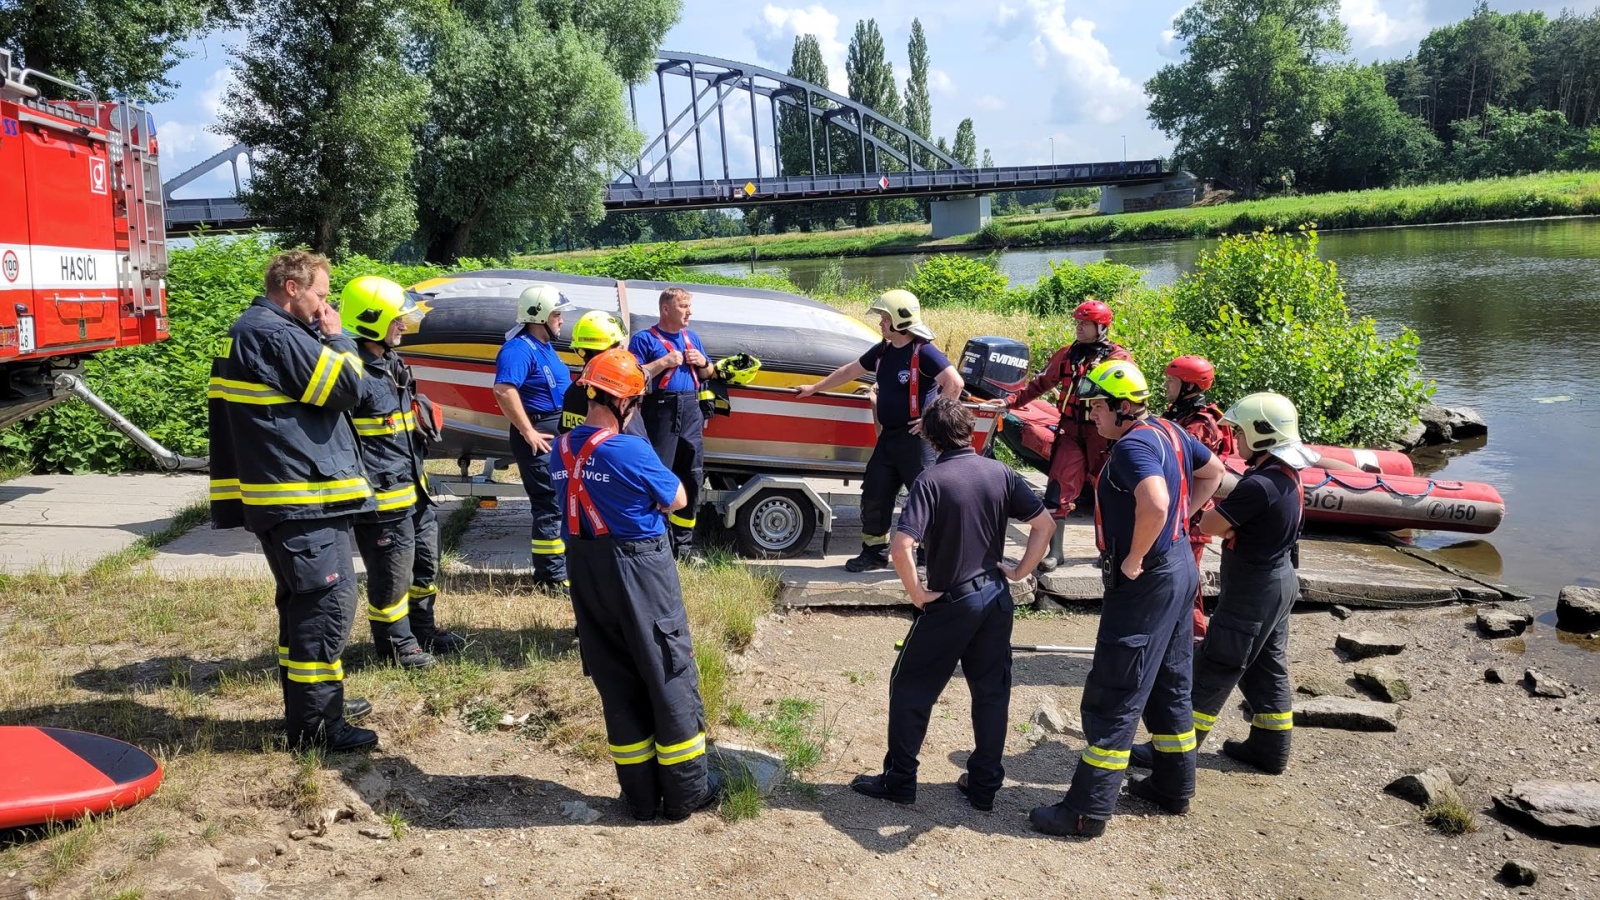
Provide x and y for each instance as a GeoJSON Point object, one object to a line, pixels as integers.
{"type": "Point", "coordinates": [1144, 652]}
{"type": "Point", "coordinates": [284, 466]}
{"type": "Point", "coordinates": [675, 366]}
{"type": "Point", "coordinates": [958, 509]}
{"type": "Point", "coordinates": [530, 381]}
{"type": "Point", "coordinates": [909, 370]}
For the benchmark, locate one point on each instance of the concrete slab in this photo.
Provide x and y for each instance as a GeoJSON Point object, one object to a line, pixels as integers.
{"type": "Point", "coordinates": [59, 523]}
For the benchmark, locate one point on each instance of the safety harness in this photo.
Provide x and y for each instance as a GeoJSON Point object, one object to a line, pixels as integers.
{"type": "Point", "coordinates": [1069, 403]}
{"type": "Point", "coordinates": [665, 342]}
{"type": "Point", "coordinates": [916, 371]}
{"type": "Point", "coordinates": [577, 493]}
{"type": "Point", "coordinates": [1174, 438]}
{"type": "Point", "coordinates": [1300, 491]}
{"type": "Point", "coordinates": [1194, 410]}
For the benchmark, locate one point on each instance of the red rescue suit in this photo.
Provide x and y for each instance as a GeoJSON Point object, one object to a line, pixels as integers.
{"type": "Point", "coordinates": [1203, 420]}
{"type": "Point", "coordinates": [1079, 451]}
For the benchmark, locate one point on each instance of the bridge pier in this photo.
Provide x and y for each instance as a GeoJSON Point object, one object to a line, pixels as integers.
{"type": "Point", "coordinates": [960, 215]}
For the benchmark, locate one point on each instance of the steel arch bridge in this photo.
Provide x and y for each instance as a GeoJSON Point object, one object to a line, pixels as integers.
{"type": "Point", "coordinates": [695, 95]}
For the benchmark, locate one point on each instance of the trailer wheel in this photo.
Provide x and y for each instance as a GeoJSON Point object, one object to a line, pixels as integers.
{"type": "Point", "coordinates": [775, 524]}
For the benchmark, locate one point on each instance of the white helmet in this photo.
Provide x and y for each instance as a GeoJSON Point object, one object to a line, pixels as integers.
{"type": "Point", "coordinates": [539, 302]}
{"type": "Point", "coordinates": [1270, 422]}
{"type": "Point", "coordinates": [904, 311]}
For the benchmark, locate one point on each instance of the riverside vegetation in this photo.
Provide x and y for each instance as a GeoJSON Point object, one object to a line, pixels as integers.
{"type": "Point", "coordinates": [1264, 308]}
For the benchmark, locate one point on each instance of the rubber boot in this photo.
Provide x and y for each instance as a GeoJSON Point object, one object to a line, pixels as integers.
{"type": "Point", "coordinates": [1053, 558]}
{"type": "Point", "coordinates": [1265, 749]}
{"type": "Point", "coordinates": [426, 627]}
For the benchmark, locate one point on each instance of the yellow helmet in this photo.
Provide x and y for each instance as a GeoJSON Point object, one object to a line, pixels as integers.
{"type": "Point", "coordinates": [597, 330]}
{"type": "Point", "coordinates": [740, 368]}
{"type": "Point", "coordinates": [369, 305]}
{"type": "Point", "coordinates": [1114, 379]}
{"type": "Point", "coordinates": [904, 312]}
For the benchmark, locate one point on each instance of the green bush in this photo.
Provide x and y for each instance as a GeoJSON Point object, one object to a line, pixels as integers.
{"type": "Point", "coordinates": [638, 262]}
{"type": "Point", "coordinates": [1069, 284]}
{"type": "Point", "coordinates": [950, 280]}
{"type": "Point", "coordinates": [1271, 316]}
{"type": "Point", "coordinates": [162, 387]}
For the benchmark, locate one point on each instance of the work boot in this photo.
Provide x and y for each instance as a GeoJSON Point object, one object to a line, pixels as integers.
{"type": "Point", "coordinates": [716, 789]}
{"type": "Point", "coordinates": [410, 655]}
{"type": "Point", "coordinates": [871, 558]}
{"type": "Point", "coordinates": [1062, 822]}
{"type": "Point", "coordinates": [341, 738]}
{"type": "Point", "coordinates": [1143, 787]}
{"type": "Point", "coordinates": [873, 786]}
{"type": "Point", "coordinates": [1053, 558]}
{"type": "Point", "coordinates": [357, 708]}
{"type": "Point", "coordinates": [980, 803]}
{"type": "Point", "coordinates": [1258, 753]}
{"type": "Point", "coordinates": [426, 628]}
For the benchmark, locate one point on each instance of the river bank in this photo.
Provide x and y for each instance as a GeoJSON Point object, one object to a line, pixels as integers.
{"type": "Point", "coordinates": [1526, 197]}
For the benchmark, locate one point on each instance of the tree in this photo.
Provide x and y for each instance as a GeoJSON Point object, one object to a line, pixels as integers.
{"type": "Point", "coordinates": [1244, 102]}
{"type": "Point", "coordinates": [918, 105]}
{"type": "Point", "coordinates": [112, 46]}
{"type": "Point", "coordinates": [1367, 140]}
{"type": "Point", "coordinates": [966, 148]}
{"type": "Point", "coordinates": [795, 135]}
{"type": "Point", "coordinates": [321, 95]}
{"type": "Point", "coordinates": [872, 81]}
{"type": "Point", "coordinates": [1509, 142]}
{"type": "Point", "coordinates": [988, 161]}
{"type": "Point", "coordinates": [1480, 62]}
{"type": "Point", "coordinates": [1566, 68]}
{"type": "Point", "coordinates": [526, 122]}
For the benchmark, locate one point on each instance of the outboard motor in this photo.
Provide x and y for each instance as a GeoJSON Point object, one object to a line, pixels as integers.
{"type": "Point", "coordinates": [994, 367]}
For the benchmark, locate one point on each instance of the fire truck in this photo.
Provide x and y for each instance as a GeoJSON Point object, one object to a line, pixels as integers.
{"type": "Point", "coordinates": [83, 256]}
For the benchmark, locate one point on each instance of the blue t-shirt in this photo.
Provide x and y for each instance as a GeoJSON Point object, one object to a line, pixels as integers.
{"type": "Point", "coordinates": [538, 372]}
{"type": "Point", "coordinates": [892, 367]}
{"type": "Point", "coordinates": [647, 347]}
{"type": "Point", "coordinates": [625, 481]}
{"type": "Point", "coordinates": [1144, 451]}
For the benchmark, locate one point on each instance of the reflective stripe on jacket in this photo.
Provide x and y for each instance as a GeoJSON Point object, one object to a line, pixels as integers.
{"type": "Point", "coordinates": [282, 446]}
{"type": "Point", "coordinates": [386, 434]}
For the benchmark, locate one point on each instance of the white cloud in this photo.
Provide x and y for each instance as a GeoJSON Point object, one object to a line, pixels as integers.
{"type": "Point", "coordinates": [1092, 87]}
{"type": "Point", "coordinates": [1169, 46]}
{"type": "Point", "coordinates": [991, 102]}
{"type": "Point", "coordinates": [1372, 26]}
{"type": "Point", "coordinates": [1009, 24]}
{"type": "Point", "coordinates": [939, 81]}
{"type": "Point", "coordinates": [780, 26]}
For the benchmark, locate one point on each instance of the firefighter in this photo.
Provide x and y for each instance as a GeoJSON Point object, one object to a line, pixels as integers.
{"type": "Point", "coordinates": [676, 367]}
{"type": "Point", "coordinates": [1259, 522]}
{"type": "Point", "coordinates": [1188, 378]}
{"type": "Point", "coordinates": [909, 372]}
{"type": "Point", "coordinates": [530, 381]}
{"type": "Point", "coordinates": [284, 466]}
{"type": "Point", "coordinates": [1079, 450]}
{"type": "Point", "coordinates": [595, 332]}
{"type": "Point", "coordinates": [959, 508]}
{"type": "Point", "coordinates": [633, 631]}
{"type": "Point", "coordinates": [1144, 650]}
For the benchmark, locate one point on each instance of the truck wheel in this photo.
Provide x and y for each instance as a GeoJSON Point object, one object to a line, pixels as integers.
{"type": "Point", "coordinates": [775, 524]}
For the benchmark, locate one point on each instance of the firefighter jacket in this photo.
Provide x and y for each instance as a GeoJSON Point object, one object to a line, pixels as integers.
{"type": "Point", "coordinates": [1069, 364]}
{"type": "Point", "coordinates": [282, 446]}
{"type": "Point", "coordinates": [385, 419]}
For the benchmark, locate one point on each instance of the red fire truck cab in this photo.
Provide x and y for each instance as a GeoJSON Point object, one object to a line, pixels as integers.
{"type": "Point", "coordinates": [83, 253]}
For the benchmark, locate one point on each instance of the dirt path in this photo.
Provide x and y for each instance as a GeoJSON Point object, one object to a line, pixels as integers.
{"type": "Point", "coordinates": [484, 810]}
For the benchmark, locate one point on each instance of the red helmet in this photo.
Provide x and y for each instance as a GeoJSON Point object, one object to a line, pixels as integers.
{"type": "Point", "coordinates": [1195, 370]}
{"type": "Point", "coordinates": [1093, 311]}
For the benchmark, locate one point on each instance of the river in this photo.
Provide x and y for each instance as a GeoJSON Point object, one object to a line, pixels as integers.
{"type": "Point", "coordinates": [1509, 318]}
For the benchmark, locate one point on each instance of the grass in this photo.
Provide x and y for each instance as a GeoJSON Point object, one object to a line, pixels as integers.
{"type": "Point", "coordinates": [792, 729]}
{"type": "Point", "coordinates": [397, 824]}
{"type": "Point", "coordinates": [743, 799]}
{"type": "Point", "coordinates": [1450, 815]}
{"type": "Point", "coordinates": [1523, 197]}
{"type": "Point", "coordinates": [145, 547]}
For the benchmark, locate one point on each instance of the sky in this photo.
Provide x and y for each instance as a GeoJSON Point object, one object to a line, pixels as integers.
{"type": "Point", "coordinates": [1042, 80]}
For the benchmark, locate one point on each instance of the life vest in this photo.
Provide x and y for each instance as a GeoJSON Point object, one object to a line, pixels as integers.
{"type": "Point", "coordinates": [1204, 421]}
{"type": "Point", "coordinates": [1174, 438]}
{"type": "Point", "coordinates": [1069, 403]}
{"type": "Point", "coordinates": [578, 501]}
{"type": "Point", "coordinates": [667, 375]}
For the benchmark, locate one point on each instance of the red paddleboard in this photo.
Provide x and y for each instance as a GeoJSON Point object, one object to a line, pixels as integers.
{"type": "Point", "coordinates": [56, 775]}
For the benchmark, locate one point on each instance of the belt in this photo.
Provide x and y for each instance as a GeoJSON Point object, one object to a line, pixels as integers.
{"type": "Point", "coordinates": [972, 585]}
{"type": "Point", "coordinates": [674, 394]}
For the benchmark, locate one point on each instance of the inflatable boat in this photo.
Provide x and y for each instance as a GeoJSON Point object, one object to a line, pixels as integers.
{"type": "Point", "coordinates": [770, 430]}
{"type": "Point", "coordinates": [1389, 499]}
